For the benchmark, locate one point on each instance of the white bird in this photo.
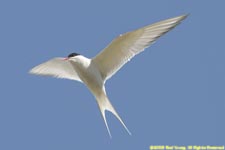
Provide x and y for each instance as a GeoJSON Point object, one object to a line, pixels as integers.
{"type": "Point", "coordinates": [96, 71]}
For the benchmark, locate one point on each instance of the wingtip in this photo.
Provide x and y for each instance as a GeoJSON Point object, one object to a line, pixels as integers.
{"type": "Point", "coordinates": [31, 71]}
{"type": "Point", "coordinates": [34, 71]}
{"type": "Point", "coordinates": [182, 17]}
{"type": "Point", "coordinates": [187, 14]}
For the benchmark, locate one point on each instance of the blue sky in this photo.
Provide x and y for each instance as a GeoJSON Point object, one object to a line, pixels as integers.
{"type": "Point", "coordinates": [171, 94]}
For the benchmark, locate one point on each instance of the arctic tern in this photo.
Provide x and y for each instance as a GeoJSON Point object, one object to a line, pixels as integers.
{"type": "Point", "coordinates": [96, 71]}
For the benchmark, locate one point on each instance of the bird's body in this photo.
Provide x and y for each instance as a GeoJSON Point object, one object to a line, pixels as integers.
{"type": "Point", "coordinates": [90, 75]}
{"type": "Point", "coordinates": [95, 72]}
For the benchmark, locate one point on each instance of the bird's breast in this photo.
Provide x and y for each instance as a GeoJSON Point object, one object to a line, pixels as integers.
{"type": "Point", "coordinates": [89, 74]}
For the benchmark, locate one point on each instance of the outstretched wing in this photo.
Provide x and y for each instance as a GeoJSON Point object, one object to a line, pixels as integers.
{"type": "Point", "coordinates": [126, 46]}
{"type": "Point", "coordinates": [56, 67]}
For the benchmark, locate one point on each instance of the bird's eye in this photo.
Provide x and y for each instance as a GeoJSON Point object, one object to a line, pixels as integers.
{"type": "Point", "coordinates": [72, 55]}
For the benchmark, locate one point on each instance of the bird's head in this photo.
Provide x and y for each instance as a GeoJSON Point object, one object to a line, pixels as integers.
{"type": "Point", "coordinates": [77, 58]}
{"type": "Point", "coordinates": [71, 56]}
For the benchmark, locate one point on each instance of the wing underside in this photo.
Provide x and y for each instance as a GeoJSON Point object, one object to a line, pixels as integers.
{"type": "Point", "coordinates": [126, 46]}
{"type": "Point", "coordinates": [56, 67]}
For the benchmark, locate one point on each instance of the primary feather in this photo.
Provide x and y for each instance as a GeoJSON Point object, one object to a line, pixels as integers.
{"type": "Point", "coordinates": [126, 46]}
{"type": "Point", "coordinates": [56, 67]}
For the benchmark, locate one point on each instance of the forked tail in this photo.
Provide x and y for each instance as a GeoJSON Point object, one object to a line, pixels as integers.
{"type": "Point", "coordinates": [104, 104]}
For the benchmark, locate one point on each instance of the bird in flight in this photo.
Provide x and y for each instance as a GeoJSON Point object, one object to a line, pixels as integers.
{"type": "Point", "coordinates": [96, 71]}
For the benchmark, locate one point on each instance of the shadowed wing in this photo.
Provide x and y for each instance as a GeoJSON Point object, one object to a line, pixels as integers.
{"type": "Point", "coordinates": [56, 67]}
{"type": "Point", "coordinates": [126, 46]}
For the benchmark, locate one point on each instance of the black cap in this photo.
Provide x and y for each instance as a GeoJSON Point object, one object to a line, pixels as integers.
{"type": "Point", "coordinates": [72, 55]}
